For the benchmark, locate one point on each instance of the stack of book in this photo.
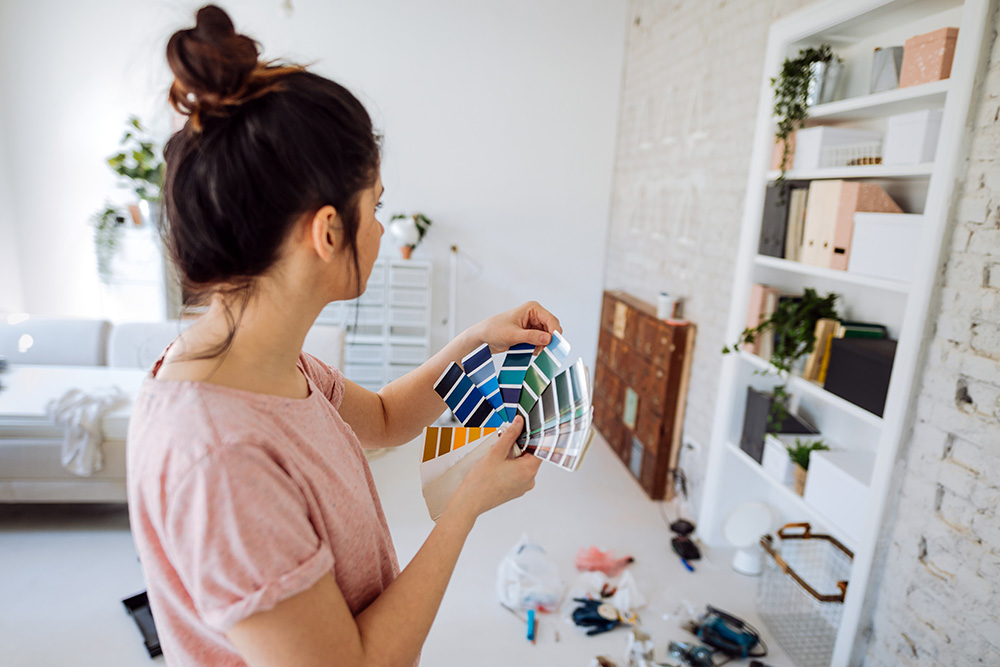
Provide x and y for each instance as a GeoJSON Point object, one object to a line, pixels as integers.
{"type": "Point", "coordinates": [818, 362]}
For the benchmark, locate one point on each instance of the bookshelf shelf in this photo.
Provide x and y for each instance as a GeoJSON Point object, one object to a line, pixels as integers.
{"type": "Point", "coordinates": [831, 275]}
{"type": "Point", "coordinates": [807, 387]}
{"type": "Point", "coordinates": [854, 28]}
{"type": "Point", "coordinates": [901, 100]}
{"type": "Point", "coordinates": [791, 503]}
{"type": "Point", "coordinates": [867, 171]}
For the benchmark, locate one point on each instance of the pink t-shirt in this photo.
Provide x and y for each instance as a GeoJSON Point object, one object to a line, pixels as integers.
{"type": "Point", "coordinates": [240, 500]}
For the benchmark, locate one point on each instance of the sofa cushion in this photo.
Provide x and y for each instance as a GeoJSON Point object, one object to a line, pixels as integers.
{"type": "Point", "coordinates": [55, 341]}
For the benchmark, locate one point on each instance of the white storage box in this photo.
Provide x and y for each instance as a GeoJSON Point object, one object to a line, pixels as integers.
{"type": "Point", "coordinates": [810, 143]}
{"type": "Point", "coordinates": [884, 245]}
{"type": "Point", "coordinates": [837, 486]}
{"type": "Point", "coordinates": [911, 138]}
{"type": "Point", "coordinates": [775, 461]}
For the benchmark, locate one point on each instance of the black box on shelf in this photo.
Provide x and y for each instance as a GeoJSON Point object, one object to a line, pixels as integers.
{"type": "Point", "coordinates": [859, 371]}
{"type": "Point", "coordinates": [755, 423]}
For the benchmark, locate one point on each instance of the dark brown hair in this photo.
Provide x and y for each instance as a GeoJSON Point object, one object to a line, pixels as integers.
{"type": "Point", "coordinates": [265, 144]}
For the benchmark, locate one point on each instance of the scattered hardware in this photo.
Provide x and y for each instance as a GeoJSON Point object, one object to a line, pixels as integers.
{"type": "Point", "coordinates": [689, 654]}
{"type": "Point", "coordinates": [683, 545]}
{"type": "Point", "coordinates": [732, 636]}
{"type": "Point", "coordinates": [599, 616]}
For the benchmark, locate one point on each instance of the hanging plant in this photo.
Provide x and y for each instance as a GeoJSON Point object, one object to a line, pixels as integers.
{"type": "Point", "coordinates": [791, 94]}
{"type": "Point", "coordinates": [793, 325]}
{"type": "Point", "coordinates": [139, 162]}
{"type": "Point", "coordinates": [108, 226]}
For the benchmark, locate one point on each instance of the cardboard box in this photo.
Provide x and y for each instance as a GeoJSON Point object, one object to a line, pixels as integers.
{"type": "Point", "coordinates": [928, 57]}
{"type": "Point", "coordinates": [911, 138]}
{"type": "Point", "coordinates": [838, 486]}
{"type": "Point", "coordinates": [883, 245]}
{"type": "Point", "coordinates": [810, 142]}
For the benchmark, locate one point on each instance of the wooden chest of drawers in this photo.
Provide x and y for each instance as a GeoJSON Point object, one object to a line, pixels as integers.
{"type": "Point", "coordinates": [640, 388]}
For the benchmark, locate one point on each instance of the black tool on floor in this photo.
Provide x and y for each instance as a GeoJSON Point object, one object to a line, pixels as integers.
{"type": "Point", "coordinates": [138, 608]}
{"type": "Point", "coordinates": [682, 544]}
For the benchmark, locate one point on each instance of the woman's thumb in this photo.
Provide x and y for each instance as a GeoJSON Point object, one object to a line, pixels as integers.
{"type": "Point", "coordinates": [508, 436]}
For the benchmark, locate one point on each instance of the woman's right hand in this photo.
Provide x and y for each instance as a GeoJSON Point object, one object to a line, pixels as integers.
{"type": "Point", "coordinates": [497, 477]}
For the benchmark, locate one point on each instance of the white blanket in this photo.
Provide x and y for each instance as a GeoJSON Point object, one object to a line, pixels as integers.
{"type": "Point", "coordinates": [81, 414]}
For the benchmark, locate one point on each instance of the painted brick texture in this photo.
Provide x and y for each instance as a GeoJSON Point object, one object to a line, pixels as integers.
{"type": "Point", "coordinates": [688, 106]}
{"type": "Point", "coordinates": [689, 102]}
{"type": "Point", "coordinates": [940, 582]}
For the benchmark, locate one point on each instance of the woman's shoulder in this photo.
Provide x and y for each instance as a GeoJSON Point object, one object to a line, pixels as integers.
{"type": "Point", "coordinates": [175, 424]}
{"type": "Point", "coordinates": [327, 379]}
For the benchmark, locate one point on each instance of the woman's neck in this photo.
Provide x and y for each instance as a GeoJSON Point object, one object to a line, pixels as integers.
{"type": "Point", "coordinates": [269, 330]}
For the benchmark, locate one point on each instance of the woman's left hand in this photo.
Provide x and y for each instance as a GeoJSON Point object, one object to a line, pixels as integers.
{"type": "Point", "coordinates": [528, 323]}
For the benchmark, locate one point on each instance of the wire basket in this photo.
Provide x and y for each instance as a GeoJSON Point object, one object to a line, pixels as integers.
{"type": "Point", "coordinates": [801, 593]}
{"type": "Point", "coordinates": [852, 155]}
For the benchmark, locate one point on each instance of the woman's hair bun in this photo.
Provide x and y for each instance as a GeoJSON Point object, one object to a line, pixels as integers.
{"type": "Point", "coordinates": [213, 66]}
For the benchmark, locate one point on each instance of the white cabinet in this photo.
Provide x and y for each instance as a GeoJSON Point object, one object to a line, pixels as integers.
{"type": "Point", "coordinates": [854, 28]}
{"type": "Point", "coordinates": [388, 327]}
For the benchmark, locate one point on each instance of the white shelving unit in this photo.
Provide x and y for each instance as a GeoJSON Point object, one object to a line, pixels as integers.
{"type": "Point", "coordinates": [854, 28]}
{"type": "Point", "coordinates": [389, 326]}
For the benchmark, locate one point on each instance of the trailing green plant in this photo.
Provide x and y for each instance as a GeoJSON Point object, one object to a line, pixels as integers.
{"type": "Point", "coordinates": [800, 451]}
{"type": "Point", "coordinates": [139, 161]}
{"type": "Point", "coordinates": [108, 226]}
{"type": "Point", "coordinates": [793, 326]}
{"type": "Point", "coordinates": [791, 92]}
{"type": "Point", "coordinates": [421, 221]}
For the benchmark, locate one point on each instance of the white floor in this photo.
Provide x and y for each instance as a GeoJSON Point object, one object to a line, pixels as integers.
{"type": "Point", "coordinates": [64, 570]}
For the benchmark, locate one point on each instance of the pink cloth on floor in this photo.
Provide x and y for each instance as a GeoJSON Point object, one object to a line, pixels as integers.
{"type": "Point", "coordinates": [240, 500]}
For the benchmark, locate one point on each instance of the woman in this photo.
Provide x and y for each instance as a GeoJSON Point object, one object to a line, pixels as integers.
{"type": "Point", "coordinates": [258, 525]}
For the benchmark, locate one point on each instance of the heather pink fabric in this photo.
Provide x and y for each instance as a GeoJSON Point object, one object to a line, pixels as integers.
{"type": "Point", "coordinates": [239, 500]}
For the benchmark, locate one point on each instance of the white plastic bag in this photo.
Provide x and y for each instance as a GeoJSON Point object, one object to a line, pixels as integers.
{"type": "Point", "coordinates": [527, 579]}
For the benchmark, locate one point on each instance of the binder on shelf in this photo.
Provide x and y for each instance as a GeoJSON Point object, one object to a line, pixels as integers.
{"type": "Point", "coordinates": [774, 220]}
{"type": "Point", "coordinates": [797, 205]}
{"type": "Point", "coordinates": [829, 222]}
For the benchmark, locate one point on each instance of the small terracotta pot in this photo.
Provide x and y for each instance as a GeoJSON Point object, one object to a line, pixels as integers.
{"type": "Point", "coordinates": [800, 479]}
{"type": "Point", "coordinates": [406, 250]}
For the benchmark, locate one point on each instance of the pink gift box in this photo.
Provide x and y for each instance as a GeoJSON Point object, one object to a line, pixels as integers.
{"type": "Point", "coordinates": [928, 57]}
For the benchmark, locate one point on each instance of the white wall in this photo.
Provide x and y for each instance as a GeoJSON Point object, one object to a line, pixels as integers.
{"type": "Point", "coordinates": [499, 119]}
{"type": "Point", "coordinates": [10, 271]}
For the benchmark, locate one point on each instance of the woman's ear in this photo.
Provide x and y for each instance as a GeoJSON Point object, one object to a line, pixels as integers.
{"type": "Point", "coordinates": [325, 233]}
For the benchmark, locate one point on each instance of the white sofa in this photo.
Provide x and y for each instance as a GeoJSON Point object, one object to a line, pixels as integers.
{"type": "Point", "coordinates": [62, 354]}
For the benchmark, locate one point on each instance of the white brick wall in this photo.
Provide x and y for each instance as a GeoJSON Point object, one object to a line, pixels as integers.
{"type": "Point", "coordinates": [940, 582]}
{"type": "Point", "coordinates": [689, 102]}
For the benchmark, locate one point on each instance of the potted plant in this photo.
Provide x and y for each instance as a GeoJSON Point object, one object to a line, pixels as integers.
{"type": "Point", "coordinates": [140, 166]}
{"type": "Point", "coordinates": [809, 78]}
{"type": "Point", "coordinates": [108, 226]}
{"type": "Point", "coordinates": [409, 230]}
{"type": "Point", "coordinates": [799, 454]}
{"type": "Point", "coordinates": [793, 325]}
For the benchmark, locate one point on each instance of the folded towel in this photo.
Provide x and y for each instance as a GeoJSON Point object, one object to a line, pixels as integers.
{"type": "Point", "coordinates": [81, 415]}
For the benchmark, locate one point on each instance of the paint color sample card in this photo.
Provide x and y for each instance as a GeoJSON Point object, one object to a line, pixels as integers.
{"type": "Point", "coordinates": [440, 441]}
{"type": "Point", "coordinates": [480, 369]}
{"type": "Point", "coordinates": [555, 404]}
{"type": "Point", "coordinates": [466, 400]}
{"type": "Point", "coordinates": [515, 365]}
{"type": "Point", "coordinates": [541, 371]}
